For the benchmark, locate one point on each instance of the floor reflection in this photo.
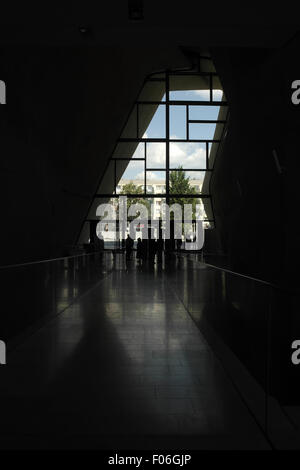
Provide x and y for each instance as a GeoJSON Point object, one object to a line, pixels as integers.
{"type": "Point", "coordinates": [123, 367]}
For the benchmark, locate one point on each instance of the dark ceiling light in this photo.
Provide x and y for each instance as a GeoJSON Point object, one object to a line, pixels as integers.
{"type": "Point", "coordinates": [136, 10]}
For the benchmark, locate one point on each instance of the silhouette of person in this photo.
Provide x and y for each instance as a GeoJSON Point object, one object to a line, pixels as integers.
{"type": "Point", "coordinates": [129, 246]}
{"type": "Point", "coordinates": [139, 248]}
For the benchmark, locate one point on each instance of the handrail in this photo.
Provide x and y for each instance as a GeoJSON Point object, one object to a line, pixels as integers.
{"type": "Point", "coordinates": [46, 260]}
{"type": "Point", "coordinates": [269, 284]}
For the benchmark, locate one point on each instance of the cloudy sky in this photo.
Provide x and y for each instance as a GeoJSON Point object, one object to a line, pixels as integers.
{"type": "Point", "coordinates": [189, 155]}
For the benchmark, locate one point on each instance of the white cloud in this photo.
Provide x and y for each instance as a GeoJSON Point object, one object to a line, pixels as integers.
{"type": "Point", "coordinates": [188, 155]}
{"type": "Point", "coordinates": [156, 155]}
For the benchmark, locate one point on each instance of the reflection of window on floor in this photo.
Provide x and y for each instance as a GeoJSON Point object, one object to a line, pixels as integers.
{"type": "Point", "coordinates": [170, 142]}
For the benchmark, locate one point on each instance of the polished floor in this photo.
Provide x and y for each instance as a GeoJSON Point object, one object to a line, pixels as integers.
{"type": "Point", "coordinates": [123, 367]}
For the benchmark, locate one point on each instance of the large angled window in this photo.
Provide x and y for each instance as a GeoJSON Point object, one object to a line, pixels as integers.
{"type": "Point", "coordinates": [167, 148]}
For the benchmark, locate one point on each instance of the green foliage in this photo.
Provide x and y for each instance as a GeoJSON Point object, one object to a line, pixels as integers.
{"type": "Point", "coordinates": [131, 188]}
{"type": "Point", "coordinates": [180, 184]}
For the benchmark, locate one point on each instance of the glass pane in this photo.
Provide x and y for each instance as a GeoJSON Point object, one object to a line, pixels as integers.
{"type": "Point", "coordinates": [152, 121]}
{"type": "Point", "coordinates": [153, 206]}
{"type": "Point", "coordinates": [155, 182]}
{"type": "Point", "coordinates": [134, 212]}
{"type": "Point", "coordinates": [203, 131]}
{"type": "Point", "coordinates": [177, 122]}
{"type": "Point", "coordinates": [157, 204]}
{"type": "Point", "coordinates": [152, 91]}
{"type": "Point", "coordinates": [109, 228]}
{"type": "Point", "coordinates": [186, 182]}
{"type": "Point", "coordinates": [196, 180]}
{"type": "Point", "coordinates": [185, 228]}
{"type": "Point", "coordinates": [130, 176]}
{"type": "Point", "coordinates": [129, 150]}
{"type": "Point", "coordinates": [156, 155]}
{"type": "Point", "coordinates": [188, 228]}
{"type": "Point", "coordinates": [198, 207]}
{"type": "Point", "coordinates": [204, 112]}
{"type": "Point", "coordinates": [190, 95]}
{"type": "Point", "coordinates": [188, 155]}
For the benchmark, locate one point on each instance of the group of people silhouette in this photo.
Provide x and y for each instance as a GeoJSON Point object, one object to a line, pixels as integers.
{"type": "Point", "coordinates": [146, 249]}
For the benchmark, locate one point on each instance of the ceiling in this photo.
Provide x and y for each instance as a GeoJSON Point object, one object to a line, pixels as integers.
{"type": "Point", "coordinates": [164, 22]}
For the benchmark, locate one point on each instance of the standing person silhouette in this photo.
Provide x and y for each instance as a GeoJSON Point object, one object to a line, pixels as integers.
{"type": "Point", "coordinates": [139, 248]}
{"type": "Point", "coordinates": [129, 247]}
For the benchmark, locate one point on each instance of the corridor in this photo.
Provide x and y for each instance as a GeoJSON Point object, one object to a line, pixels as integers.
{"type": "Point", "coordinates": [124, 366]}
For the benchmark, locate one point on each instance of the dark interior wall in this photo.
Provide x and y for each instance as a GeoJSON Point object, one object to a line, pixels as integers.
{"type": "Point", "coordinates": [65, 109]}
{"type": "Point", "coordinates": [290, 154]}
{"type": "Point", "coordinates": [66, 106]}
{"type": "Point", "coordinates": [253, 203]}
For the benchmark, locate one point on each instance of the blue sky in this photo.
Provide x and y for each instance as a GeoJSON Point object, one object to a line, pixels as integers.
{"type": "Point", "coordinates": [189, 155]}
